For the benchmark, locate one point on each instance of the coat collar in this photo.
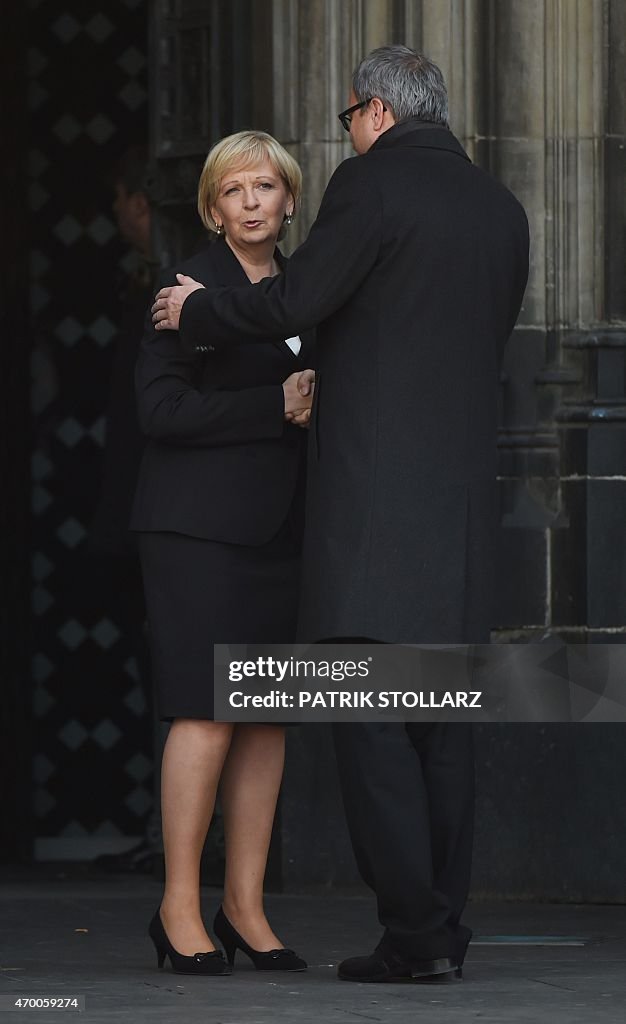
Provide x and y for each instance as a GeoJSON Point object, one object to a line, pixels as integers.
{"type": "Point", "coordinates": [227, 266]}
{"type": "Point", "coordinates": [419, 133]}
{"type": "Point", "coordinates": [229, 273]}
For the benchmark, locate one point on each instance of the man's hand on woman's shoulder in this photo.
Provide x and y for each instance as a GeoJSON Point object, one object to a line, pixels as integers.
{"type": "Point", "coordinates": [169, 302]}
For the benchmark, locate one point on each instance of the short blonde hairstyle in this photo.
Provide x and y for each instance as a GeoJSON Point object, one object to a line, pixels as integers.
{"type": "Point", "coordinates": [244, 149]}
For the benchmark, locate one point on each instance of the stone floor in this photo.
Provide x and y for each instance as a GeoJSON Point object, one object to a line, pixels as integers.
{"type": "Point", "coordinates": [67, 935]}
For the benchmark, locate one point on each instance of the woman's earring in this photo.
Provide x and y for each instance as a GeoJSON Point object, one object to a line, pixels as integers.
{"type": "Point", "coordinates": [288, 219]}
{"type": "Point", "coordinates": [218, 228]}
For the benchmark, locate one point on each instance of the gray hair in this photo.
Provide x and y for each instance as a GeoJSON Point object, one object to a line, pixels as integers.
{"type": "Point", "coordinates": [407, 82]}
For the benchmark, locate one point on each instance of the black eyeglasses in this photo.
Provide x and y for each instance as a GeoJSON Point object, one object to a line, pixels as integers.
{"type": "Point", "coordinates": [346, 116]}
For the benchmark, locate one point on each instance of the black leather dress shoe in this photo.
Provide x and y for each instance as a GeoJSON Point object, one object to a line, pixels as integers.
{"type": "Point", "coordinates": [384, 965]}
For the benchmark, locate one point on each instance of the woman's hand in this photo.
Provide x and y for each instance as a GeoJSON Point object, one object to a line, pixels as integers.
{"type": "Point", "coordinates": [298, 391]}
{"type": "Point", "coordinates": [169, 302]}
{"type": "Point", "coordinates": [302, 419]}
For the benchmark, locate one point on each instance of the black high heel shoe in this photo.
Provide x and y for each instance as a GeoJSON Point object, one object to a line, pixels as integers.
{"type": "Point", "coordinates": [199, 963]}
{"type": "Point", "coordinates": [273, 960]}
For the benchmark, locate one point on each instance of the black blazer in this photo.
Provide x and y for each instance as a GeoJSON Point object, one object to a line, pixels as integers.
{"type": "Point", "coordinates": [220, 462]}
{"type": "Point", "coordinates": [414, 270]}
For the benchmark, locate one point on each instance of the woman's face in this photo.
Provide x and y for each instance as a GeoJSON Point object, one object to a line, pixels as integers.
{"type": "Point", "coordinates": [251, 204]}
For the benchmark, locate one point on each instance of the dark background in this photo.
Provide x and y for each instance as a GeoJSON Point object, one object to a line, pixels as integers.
{"type": "Point", "coordinates": [79, 754]}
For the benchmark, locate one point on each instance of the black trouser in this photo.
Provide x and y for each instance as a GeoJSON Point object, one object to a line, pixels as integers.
{"type": "Point", "coordinates": [408, 790]}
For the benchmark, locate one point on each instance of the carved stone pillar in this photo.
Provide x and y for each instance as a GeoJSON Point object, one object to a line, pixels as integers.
{"type": "Point", "coordinates": [315, 48]}
{"type": "Point", "coordinates": [452, 34]}
{"type": "Point", "coordinates": [547, 129]}
{"type": "Point", "coordinates": [589, 591]}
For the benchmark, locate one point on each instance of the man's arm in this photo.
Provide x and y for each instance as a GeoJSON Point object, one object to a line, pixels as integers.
{"type": "Point", "coordinates": [339, 253]}
{"type": "Point", "coordinates": [173, 411]}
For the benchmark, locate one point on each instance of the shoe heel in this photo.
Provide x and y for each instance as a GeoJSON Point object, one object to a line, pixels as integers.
{"type": "Point", "coordinates": [230, 948]}
{"type": "Point", "coordinates": [272, 960]}
{"type": "Point", "coordinates": [211, 963]}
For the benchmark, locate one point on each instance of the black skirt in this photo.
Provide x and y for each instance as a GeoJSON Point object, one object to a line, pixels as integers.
{"type": "Point", "coordinates": [201, 592]}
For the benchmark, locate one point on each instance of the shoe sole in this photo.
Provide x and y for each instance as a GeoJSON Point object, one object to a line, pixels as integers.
{"type": "Point", "coordinates": [448, 978]}
{"type": "Point", "coordinates": [281, 970]}
{"type": "Point", "coordinates": [201, 974]}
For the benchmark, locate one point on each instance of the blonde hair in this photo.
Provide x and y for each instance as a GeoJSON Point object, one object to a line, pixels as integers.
{"type": "Point", "coordinates": [244, 149]}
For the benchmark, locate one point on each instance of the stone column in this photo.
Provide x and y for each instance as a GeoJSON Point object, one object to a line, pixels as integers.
{"type": "Point", "coordinates": [315, 49]}
{"type": "Point", "coordinates": [452, 34]}
{"type": "Point", "coordinates": [316, 45]}
{"type": "Point", "coordinates": [545, 139]}
{"type": "Point", "coordinates": [589, 592]}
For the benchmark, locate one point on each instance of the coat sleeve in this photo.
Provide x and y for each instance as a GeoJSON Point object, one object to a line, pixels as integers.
{"type": "Point", "coordinates": [340, 251]}
{"type": "Point", "coordinates": [172, 410]}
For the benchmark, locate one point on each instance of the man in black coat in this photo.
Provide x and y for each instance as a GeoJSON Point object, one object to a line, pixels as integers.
{"type": "Point", "coordinates": [414, 273]}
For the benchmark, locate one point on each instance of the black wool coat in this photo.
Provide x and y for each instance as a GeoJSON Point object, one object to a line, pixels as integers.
{"type": "Point", "coordinates": [414, 272]}
{"type": "Point", "coordinates": [220, 463]}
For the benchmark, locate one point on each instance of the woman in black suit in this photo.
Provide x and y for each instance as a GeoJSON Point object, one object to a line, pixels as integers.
{"type": "Point", "coordinates": [217, 511]}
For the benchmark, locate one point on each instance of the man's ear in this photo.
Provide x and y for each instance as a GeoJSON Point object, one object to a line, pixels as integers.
{"type": "Point", "coordinates": [378, 111]}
